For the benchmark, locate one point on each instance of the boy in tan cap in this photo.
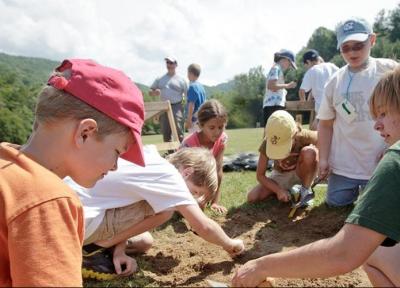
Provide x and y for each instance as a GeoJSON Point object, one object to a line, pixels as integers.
{"type": "Point", "coordinates": [295, 155]}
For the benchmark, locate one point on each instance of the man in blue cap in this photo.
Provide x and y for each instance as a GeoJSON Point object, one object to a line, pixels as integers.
{"type": "Point", "coordinates": [275, 93]}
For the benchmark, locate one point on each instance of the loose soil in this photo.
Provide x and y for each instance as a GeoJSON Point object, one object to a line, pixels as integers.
{"type": "Point", "coordinates": [180, 258]}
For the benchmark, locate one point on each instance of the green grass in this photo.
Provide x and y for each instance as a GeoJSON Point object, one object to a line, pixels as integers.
{"type": "Point", "coordinates": [239, 140]}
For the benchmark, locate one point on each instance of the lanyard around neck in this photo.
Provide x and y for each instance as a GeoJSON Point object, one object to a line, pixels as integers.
{"type": "Point", "coordinates": [351, 76]}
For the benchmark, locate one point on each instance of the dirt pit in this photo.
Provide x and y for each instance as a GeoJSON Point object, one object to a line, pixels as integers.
{"type": "Point", "coordinates": [180, 258]}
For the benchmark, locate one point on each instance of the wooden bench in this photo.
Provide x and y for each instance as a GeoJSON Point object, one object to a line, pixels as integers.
{"type": "Point", "coordinates": [153, 109]}
{"type": "Point", "coordinates": [301, 106]}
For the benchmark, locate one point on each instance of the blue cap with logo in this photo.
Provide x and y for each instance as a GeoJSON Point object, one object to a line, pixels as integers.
{"type": "Point", "coordinates": [286, 54]}
{"type": "Point", "coordinates": [356, 29]}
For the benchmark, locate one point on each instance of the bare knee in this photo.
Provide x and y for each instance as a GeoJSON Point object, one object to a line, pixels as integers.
{"type": "Point", "coordinates": [140, 243]}
{"type": "Point", "coordinates": [309, 155]}
{"type": "Point", "coordinates": [145, 243]}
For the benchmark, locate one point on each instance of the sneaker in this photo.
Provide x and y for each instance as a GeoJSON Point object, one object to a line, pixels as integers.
{"type": "Point", "coordinates": [306, 197]}
{"type": "Point", "coordinates": [98, 264]}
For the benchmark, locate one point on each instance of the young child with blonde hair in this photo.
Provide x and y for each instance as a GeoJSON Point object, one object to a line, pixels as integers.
{"type": "Point", "coordinates": [129, 202]}
{"type": "Point", "coordinates": [212, 119]}
{"type": "Point", "coordinates": [86, 117]}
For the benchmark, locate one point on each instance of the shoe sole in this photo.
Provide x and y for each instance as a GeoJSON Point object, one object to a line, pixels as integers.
{"type": "Point", "coordinates": [86, 273]}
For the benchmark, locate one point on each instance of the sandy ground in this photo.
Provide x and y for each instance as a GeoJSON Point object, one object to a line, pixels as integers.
{"type": "Point", "coordinates": [180, 258]}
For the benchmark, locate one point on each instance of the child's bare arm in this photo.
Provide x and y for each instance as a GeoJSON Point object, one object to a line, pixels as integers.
{"type": "Point", "coordinates": [263, 179]}
{"type": "Point", "coordinates": [209, 230]}
{"type": "Point", "coordinates": [325, 131]}
{"type": "Point", "coordinates": [324, 258]}
{"type": "Point", "coordinates": [189, 115]}
{"type": "Point", "coordinates": [273, 85]}
{"type": "Point", "coordinates": [215, 202]}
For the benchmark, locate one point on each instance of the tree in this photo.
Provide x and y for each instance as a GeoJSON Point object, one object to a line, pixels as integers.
{"type": "Point", "coordinates": [324, 41]}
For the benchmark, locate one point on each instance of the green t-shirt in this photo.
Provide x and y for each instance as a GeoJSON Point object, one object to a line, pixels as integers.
{"type": "Point", "coordinates": [378, 208]}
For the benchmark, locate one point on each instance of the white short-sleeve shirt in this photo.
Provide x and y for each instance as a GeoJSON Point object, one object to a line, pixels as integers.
{"type": "Point", "coordinates": [159, 183]}
{"type": "Point", "coordinates": [315, 79]}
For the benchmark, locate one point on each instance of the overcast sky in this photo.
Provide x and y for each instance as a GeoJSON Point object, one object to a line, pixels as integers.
{"type": "Point", "coordinates": [226, 37]}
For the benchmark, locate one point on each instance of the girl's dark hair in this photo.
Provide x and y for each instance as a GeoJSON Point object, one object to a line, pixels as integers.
{"type": "Point", "coordinates": [211, 109]}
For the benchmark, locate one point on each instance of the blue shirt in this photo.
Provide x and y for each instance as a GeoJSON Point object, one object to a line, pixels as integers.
{"type": "Point", "coordinates": [197, 95]}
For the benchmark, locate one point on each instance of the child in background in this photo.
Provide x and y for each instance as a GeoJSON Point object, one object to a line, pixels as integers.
{"type": "Point", "coordinates": [82, 125]}
{"type": "Point", "coordinates": [373, 224]}
{"type": "Point", "coordinates": [196, 96]}
{"type": "Point", "coordinates": [275, 94]}
{"type": "Point", "coordinates": [295, 155]}
{"type": "Point", "coordinates": [349, 149]}
{"type": "Point", "coordinates": [314, 80]}
{"type": "Point", "coordinates": [212, 119]}
{"type": "Point", "coordinates": [134, 200]}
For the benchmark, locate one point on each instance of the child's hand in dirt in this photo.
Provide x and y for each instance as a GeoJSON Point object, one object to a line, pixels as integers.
{"type": "Point", "coordinates": [283, 195]}
{"type": "Point", "coordinates": [124, 265]}
{"type": "Point", "coordinates": [250, 274]}
{"type": "Point", "coordinates": [236, 247]}
{"type": "Point", "coordinates": [218, 208]}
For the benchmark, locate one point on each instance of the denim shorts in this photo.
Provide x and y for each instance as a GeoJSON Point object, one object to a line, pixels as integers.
{"type": "Point", "coordinates": [342, 190]}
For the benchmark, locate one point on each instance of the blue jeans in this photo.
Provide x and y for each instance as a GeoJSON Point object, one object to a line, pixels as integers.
{"type": "Point", "coordinates": [343, 191]}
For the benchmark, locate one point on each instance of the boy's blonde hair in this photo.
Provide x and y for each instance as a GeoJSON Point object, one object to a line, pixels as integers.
{"type": "Point", "coordinates": [54, 105]}
{"type": "Point", "coordinates": [211, 109]}
{"type": "Point", "coordinates": [204, 168]}
{"type": "Point", "coordinates": [386, 95]}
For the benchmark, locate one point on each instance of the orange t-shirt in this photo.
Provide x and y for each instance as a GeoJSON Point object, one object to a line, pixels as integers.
{"type": "Point", "coordinates": [41, 225]}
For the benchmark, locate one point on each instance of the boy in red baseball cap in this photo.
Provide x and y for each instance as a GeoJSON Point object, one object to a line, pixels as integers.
{"type": "Point", "coordinates": [86, 117]}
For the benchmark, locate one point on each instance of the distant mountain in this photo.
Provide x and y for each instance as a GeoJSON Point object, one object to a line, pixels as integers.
{"type": "Point", "coordinates": [29, 71]}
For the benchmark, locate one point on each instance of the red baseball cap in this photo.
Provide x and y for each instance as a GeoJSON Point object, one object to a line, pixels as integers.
{"type": "Point", "coordinates": [108, 90]}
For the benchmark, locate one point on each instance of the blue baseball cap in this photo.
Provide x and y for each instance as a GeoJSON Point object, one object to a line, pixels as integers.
{"type": "Point", "coordinates": [286, 54]}
{"type": "Point", "coordinates": [356, 29]}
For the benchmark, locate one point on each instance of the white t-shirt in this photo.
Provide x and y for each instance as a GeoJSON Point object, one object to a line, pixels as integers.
{"type": "Point", "coordinates": [159, 183]}
{"type": "Point", "coordinates": [275, 98]}
{"type": "Point", "coordinates": [356, 146]}
{"type": "Point", "coordinates": [315, 80]}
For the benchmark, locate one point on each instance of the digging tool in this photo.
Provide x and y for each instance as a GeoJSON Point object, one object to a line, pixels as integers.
{"type": "Point", "coordinates": [298, 201]}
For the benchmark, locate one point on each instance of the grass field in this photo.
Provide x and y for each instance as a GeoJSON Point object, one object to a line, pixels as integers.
{"type": "Point", "coordinates": [234, 188]}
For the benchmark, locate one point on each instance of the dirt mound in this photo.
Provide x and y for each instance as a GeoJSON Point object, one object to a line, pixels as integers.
{"type": "Point", "coordinates": [180, 258]}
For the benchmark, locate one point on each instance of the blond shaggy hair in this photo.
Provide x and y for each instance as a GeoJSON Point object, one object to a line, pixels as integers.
{"type": "Point", "coordinates": [386, 95]}
{"type": "Point", "coordinates": [204, 168]}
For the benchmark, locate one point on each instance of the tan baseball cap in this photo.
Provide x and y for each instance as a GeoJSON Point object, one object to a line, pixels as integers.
{"type": "Point", "coordinates": [279, 132]}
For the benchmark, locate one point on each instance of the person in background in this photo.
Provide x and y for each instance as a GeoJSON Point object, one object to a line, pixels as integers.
{"type": "Point", "coordinates": [275, 93]}
{"type": "Point", "coordinates": [196, 96]}
{"type": "Point", "coordinates": [173, 88]}
{"type": "Point", "coordinates": [314, 80]}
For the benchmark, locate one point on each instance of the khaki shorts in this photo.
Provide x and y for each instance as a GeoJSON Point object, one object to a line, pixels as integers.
{"type": "Point", "coordinates": [286, 179]}
{"type": "Point", "coordinates": [119, 219]}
